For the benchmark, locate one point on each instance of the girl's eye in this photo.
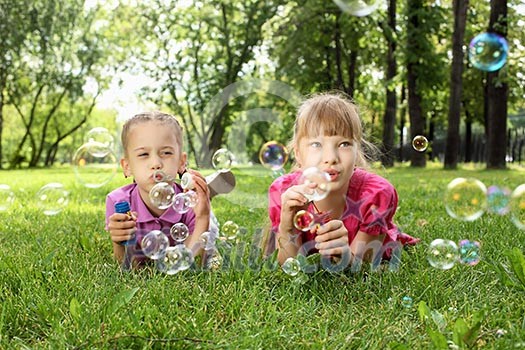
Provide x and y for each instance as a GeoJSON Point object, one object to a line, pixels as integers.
{"type": "Point", "coordinates": [315, 144]}
{"type": "Point", "coordinates": [345, 144]}
{"type": "Point", "coordinates": [143, 155]}
{"type": "Point", "coordinates": [168, 153]}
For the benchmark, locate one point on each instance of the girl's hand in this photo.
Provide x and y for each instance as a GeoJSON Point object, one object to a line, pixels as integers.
{"type": "Point", "coordinates": [122, 227]}
{"type": "Point", "coordinates": [201, 188]}
{"type": "Point", "coordinates": [332, 238]}
{"type": "Point", "coordinates": [293, 200]}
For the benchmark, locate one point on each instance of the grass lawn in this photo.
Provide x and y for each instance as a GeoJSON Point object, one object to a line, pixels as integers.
{"type": "Point", "coordinates": [60, 287]}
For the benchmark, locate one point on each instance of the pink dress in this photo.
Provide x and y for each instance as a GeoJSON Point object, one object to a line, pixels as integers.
{"type": "Point", "coordinates": [371, 202]}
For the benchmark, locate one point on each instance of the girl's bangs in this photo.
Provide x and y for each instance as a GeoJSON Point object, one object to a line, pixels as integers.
{"type": "Point", "coordinates": [328, 121]}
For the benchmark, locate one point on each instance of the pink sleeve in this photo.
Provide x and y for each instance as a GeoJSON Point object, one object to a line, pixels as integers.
{"type": "Point", "coordinates": [274, 204]}
{"type": "Point", "coordinates": [379, 208]}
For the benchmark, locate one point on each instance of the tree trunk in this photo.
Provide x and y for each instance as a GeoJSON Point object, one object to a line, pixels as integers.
{"type": "Point", "coordinates": [389, 118]}
{"type": "Point", "coordinates": [497, 95]}
{"type": "Point", "coordinates": [402, 121]}
{"type": "Point", "coordinates": [417, 121]}
{"type": "Point", "coordinates": [454, 107]}
{"type": "Point", "coordinates": [468, 140]}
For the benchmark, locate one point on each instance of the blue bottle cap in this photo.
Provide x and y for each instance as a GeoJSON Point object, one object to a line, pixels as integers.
{"type": "Point", "coordinates": [122, 207]}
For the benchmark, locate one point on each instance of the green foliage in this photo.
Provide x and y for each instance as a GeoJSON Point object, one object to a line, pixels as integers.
{"type": "Point", "coordinates": [60, 288]}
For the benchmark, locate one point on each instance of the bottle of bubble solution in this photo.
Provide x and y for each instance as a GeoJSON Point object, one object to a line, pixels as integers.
{"type": "Point", "coordinates": [129, 245]}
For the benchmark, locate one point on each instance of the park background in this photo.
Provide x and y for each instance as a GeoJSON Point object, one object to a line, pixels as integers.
{"type": "Point", "coordinates": [233, 73]}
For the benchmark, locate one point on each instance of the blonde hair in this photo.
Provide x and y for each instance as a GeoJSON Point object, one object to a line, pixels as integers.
{"type": "Point", "coordinates": [155, 116]}
{"type": "Point", "coordinates": [333, 114]}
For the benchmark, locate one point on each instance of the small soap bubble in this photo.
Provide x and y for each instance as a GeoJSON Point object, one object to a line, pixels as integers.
{"type": "Point", "coordinates": [420, 143]}
{"type": "Point", "coordinates": [320, 178]}
{"type": "Point", "coordinates": [358, 8]}
{"type": "Point", "coordinates": [498, 200]}
{"type": "Point", "coordinates": [291, 266]}
{"type": "Point", "coordinates": [94, 164]}
{"type": "Point", "coordinates": [303, 220]}
{"type": "Point", "coordinates": [273, 155]}
{"type": "Point", "coordinates": [442, 254]}
{"type": "Point", "coordinates": [186, 182]}
{"type": "Point", "coordinates": [154, 244]}
{"type": "Point", "coordinates": [161, 176]}
{"type": "Point", "coordinates": [517, 207]}
{"type": "Point", "coordinates": [177, 258]}
{"type": "Point", "coordinates": [181, 203]}
{"type": "Point", "coordinates": [465, 199]}
{"type": "Point", "coordinates": [192, 198]}
{"type": "Point", "coordinates": [161, 195]}
{"type": "Point", "coordinates": [179, 232]}
{"type": "Point", "coordinates": [222, 160]}
{"type": "Point", "coordinates": [52, 198]}
{"type": "Point", "coordinates": [407, 302]}
{"type": "Point", "coordinates": [214, 263]}
{"type": "Point", "coordinates": [230, 230]}
{"type": "Point", "coordinates": [488, 51]}
{"type": "Point", "coordinates": [469, 252]}
{"type": "Point", "coordinates": [101, 136]}
{"type": "Point", "coordinates": [7, 197]}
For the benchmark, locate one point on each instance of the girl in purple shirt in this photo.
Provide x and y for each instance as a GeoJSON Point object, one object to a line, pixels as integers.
{"type": "Point", "coordinates": [152, 142]}
{"type": "Point", "coordinates": [354, 220]}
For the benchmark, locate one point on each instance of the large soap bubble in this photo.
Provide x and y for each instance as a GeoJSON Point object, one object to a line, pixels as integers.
{"type": "Point", "coordinates": [517, 207]}
{"type": "Point", "coordinates": [222, 160]}
{"type": "Point", "coordinates": [318, 177]}
{"type": "Point", "coordinates": [52, 198]}
{"type": "Point", "coordinates": [102, 136]}
{"type": "Point", "coordinates": [273, 155]}
{"type": "Point", "coordinates": [442, 254]}
{"type": "Point", "coordinates": [465, 199]}
{"type": "Point", "coordinates": [488, 51]}
{"type": "Point", "coordinates": [94, 164]}
{"type": "Point", "coordinates": [162, 195]}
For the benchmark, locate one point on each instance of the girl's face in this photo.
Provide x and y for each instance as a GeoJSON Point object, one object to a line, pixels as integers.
{"type": "Point", "coordinates": [335, 155]}
{"type": "Point", "coordinates": [152, 146]}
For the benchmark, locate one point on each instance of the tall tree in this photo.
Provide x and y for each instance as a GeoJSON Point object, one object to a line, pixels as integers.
{"type": "Point", "coordinates": [456, 74]}
{"type": "Point", "coordinates": [497, 95]}
{"type": "Point", "coordinates": [389, 117]}
{"type": "Point", "coordinates": [414, 49]}
{"type": "Point", "coordinates": [14, 26]}
{"type": "Point", "coordinates": [197, 52]}
{"type": "Point", "coordinates": [60, 53]}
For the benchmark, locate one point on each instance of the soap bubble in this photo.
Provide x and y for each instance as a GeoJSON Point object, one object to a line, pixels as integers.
{"type": "Point", "coordinates": [407, 302]}
{"type": "Point", "coordinates": [214, 262]}
{"type": "Point", "coordinates": [7, 197]}
{"type": "Point", "coordinates": [230, 230]}
{"type": "Point", "coordinates": [358, 8]}
{"type": "Point", "coordinates": [186, 182]}
{"type": "Point", "coordinates": [465, 199]}
{"type": "Point", "coordinates": [498, 200]}
{"type": "Point", "coordinates": [154, 244]}
{"type": "Point", "coordinates": [420, 143]}
{"type": "Point", "coordinates": [291, 266]}
{"type": "Point", "coordinates": [192, 198]}
{"type": "Point", "coordinates": [94, 164]}
{"type": "Point", "coordinates": [222, 160]}
{"type": "Point", "coordinates": [161, 176]}
{"type": "Point", "coordinates": [488, 51]}
{"type": "Point", "coordinates": [177, 258]}
{"type": "Point", "coordinates": [303, 220]}
{"type": "Point", "coordinates": [52, 198]}
{"type": "Point", "coordinates": [273, 155]}
{"type": "Point", "coordinates": [469, 252]}
{"type": "Point", "coordinates": [103, 137]}
{"type": "Point", "coordinates": [321, 178]}
{"type": "Point", "coordinates": [161, 195]}
{"type": "Point", "coordinates": [179, 232]}
{"type": "Point", "coordinates": [517, 207]}
{"type": "Point", "coordinates": [442, 254]}
{"type": "Point", "coordinates": [181, 203]}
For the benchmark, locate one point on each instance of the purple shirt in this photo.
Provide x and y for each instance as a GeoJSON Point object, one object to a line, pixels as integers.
{"type": "Point", "coordinates": [371, 202]}
{"type": "Point", "coordinates": [146, 222]}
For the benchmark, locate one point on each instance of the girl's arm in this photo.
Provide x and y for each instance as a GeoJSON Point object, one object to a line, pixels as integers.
{"type": "Point", "coordinates": [202, 213]}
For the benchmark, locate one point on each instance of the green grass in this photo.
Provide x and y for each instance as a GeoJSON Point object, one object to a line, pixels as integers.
{"type": "Point", "coordinates": [60, 287]}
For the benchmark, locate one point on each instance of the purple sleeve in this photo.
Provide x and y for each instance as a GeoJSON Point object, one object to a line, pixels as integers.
{"type": "Point", "coordinates": [110, 209]}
